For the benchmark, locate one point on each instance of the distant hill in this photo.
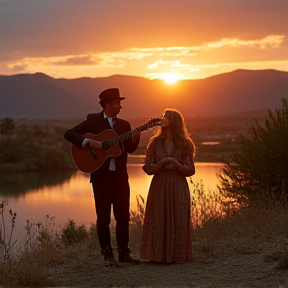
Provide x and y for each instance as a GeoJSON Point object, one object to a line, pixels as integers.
{"type": "Point", "coordinates": [40, 96]}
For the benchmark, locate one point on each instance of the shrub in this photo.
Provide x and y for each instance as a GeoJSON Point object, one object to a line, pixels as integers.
{"type": "Point", "coordinates": [72, 234]}
{"type": "Point", "coordinates": [261, 163]}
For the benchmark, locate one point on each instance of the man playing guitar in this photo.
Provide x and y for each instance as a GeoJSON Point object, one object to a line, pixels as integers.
{"type": "Point", "coordinates": [110, 178]}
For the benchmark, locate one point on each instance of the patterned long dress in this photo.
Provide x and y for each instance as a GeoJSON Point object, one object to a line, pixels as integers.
{"type": "Point", "coordinates": [166, 235]}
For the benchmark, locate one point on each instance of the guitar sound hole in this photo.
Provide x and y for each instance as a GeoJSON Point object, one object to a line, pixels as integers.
{"type": "Point", "coordinates": [105, 145]}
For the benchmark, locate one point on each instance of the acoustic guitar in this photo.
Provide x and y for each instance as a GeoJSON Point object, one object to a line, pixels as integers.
{"type": "Point", "coordinates": [89, 160]}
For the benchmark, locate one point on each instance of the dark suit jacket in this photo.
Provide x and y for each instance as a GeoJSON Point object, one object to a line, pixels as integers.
{"type": "Point", "coordinates": [96, 123]}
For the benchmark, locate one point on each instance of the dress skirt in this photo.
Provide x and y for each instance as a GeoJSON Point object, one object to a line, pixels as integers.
{"type": "Point", "coordinates": [166, 235]}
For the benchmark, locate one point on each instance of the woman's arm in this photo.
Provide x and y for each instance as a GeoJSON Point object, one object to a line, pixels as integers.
{"type": "Point", "coordinates": [188, 168]}
{"type": "Point", "coordinates": [150, 166]}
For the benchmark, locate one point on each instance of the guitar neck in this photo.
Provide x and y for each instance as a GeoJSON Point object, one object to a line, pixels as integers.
{"type": "Point", "coordinates": [127, 135]}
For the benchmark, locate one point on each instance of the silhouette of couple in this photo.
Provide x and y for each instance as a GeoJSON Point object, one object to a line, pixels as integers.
{"type": "Point", "coordinates": [166, 235]}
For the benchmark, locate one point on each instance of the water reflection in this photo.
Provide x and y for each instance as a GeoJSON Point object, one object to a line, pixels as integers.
{"type": "Point", "coordinates": [68, 195]}
{"type": "Point", "coordinates": [16, 184]}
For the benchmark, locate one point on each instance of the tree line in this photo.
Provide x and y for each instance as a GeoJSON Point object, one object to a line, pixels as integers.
{"type": "Point", "coordinates": [25, 148]}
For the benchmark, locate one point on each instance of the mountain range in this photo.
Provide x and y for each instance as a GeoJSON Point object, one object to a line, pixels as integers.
{"type": "Point", "coordinates": [41, 96]}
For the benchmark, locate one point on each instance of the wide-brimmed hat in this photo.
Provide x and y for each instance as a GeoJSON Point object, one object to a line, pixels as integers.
{"type": "Point", "coordinates": [110, 94]}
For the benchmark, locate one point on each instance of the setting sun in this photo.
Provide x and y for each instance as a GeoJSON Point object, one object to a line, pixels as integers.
{"type": "Point", "coordinates": [170, 78]}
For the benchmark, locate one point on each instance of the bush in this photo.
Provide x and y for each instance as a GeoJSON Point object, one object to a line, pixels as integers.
{"type": "Point", "coordinates": [71, 234]}
{"type": "Point", "coordinates": [261, 163]}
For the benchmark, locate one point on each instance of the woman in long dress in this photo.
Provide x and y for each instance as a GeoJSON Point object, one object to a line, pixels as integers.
{"type": "Point", "coordinates": [166, 235]}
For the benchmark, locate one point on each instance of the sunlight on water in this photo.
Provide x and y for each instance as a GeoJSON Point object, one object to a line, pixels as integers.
{"type": "Point", "coordinates": [73, 198]}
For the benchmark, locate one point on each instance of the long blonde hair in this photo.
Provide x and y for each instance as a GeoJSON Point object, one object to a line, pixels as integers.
{"type": "Point", "coordinates": [179, 131]}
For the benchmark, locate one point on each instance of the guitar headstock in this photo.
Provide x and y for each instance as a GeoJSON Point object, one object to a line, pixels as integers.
{"type": "Point", "coordinates": [149, 124]}
{"type": "Point", "coordinates": [153, 122]}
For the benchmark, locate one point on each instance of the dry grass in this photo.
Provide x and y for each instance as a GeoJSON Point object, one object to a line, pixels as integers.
{"type": "Point", "coordinates": [28, 269]}
{"type": "Point", "coordinates": [246, 230]}
{"type": "Point", "coordinates": [219, 230]}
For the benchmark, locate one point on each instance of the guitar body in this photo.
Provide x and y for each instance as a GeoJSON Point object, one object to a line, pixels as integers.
{"type": "Point", "coordinates": [83, 158]}
{"type": "Point", "coordinates": [89, 161]}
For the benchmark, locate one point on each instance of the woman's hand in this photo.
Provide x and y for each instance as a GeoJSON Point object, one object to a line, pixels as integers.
{"type": "Point", "coordinates": [168, 162]}
{"type": "Point", "coordinates": [172, 163]}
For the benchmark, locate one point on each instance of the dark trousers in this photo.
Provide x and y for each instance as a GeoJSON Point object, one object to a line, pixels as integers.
{"type": "Point", "coordinates": [110, 190]}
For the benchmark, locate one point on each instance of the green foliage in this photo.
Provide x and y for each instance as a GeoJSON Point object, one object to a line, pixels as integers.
{"type": "Point", "coordinates": [19, 156]}
{"type": "Point", "coordinates": [259, 167]}
{"type": "Point", "coordinates": [33, 146]}
{"type": "Point", "coordinates": [72, 234]}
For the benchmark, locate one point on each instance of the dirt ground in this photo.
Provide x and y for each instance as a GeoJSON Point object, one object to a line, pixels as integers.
{"type": "Point", "coordinates": [244, 268]}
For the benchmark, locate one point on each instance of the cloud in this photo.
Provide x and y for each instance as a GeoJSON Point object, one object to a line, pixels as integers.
{"type": "Point", "coordinates": [17, 69]}
{"type": "Point", "coordinates": [78, 60]}
{"type": "Point", "coordinates": [270, 41]}
{"type": "Point", "coordinates": [213, 55]}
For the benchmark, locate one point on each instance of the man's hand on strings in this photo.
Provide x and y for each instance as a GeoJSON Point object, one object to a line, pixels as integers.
{"type": "Point", "coordinates": [93, 144]}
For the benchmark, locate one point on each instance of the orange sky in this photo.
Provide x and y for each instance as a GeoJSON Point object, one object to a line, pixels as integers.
{"type": "Point", "coordinates": [94, 38]}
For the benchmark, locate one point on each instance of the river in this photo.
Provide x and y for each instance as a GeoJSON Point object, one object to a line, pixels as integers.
{"type": "Point", "coordinates": [64, 196]}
